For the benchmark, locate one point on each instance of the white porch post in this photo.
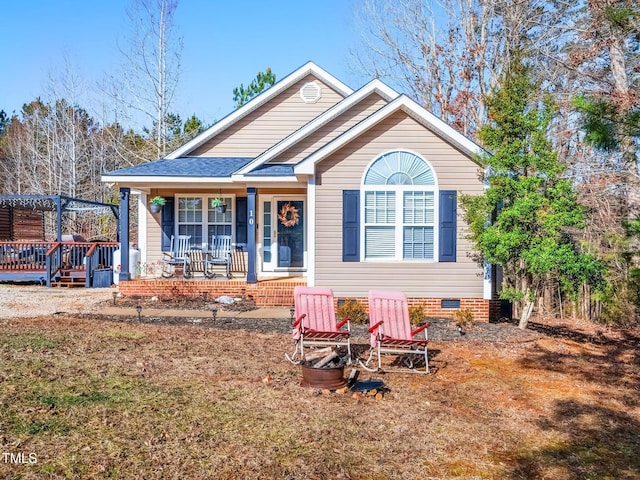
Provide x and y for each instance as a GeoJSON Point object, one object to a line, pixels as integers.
{"type": "Point", "coordinates": [311, 232]}
{"type": "Point", "coordinates": [142, 227]}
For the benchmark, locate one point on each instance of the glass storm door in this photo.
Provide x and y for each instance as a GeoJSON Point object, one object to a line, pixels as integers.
{"type": "Point", "coordinates": [283, 237]}
{"type": "Point", "coordinates": [290, 233]}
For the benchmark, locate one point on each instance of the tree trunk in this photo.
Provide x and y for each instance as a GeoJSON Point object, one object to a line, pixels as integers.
{"type": "Point", "coordinates": [526, 314]}
{"type": "Point", "coordinates": [529, 302]}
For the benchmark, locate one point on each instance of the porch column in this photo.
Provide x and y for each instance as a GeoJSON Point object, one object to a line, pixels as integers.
{"type": "Point", "coordinates": [124, 234]}
{"type": "Point", "coordinates": [251, 235]}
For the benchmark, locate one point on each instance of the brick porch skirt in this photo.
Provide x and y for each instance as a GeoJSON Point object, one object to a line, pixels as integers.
{"type": "Point", "coordinates": [269, 293]}
{"type": "Point", "coordinates": [279, 293]}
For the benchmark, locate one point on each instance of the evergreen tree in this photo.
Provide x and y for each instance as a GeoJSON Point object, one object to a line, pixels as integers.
{"type": "Point", "coordinates": [610, 108]}
{"type": "Point", "coordinates": [4, 121]}
{"type": "Point", "coordinates": [532, 206]}
{"type": "Point", "coordinates": [192, 126]}
{"type": "Point", "coordinates": [262, 81]}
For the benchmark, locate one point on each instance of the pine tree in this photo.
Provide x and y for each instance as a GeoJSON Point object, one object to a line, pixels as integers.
{"type": "Point", "coordinates": [531, 205]}
{"type": "Point", "coordinates": [242, 95]}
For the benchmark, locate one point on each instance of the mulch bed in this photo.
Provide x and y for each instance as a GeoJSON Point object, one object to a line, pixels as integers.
{"type": "Point", "coordinates": [440, 330]}
{"type": "Point", "coordinates": [187, 303]}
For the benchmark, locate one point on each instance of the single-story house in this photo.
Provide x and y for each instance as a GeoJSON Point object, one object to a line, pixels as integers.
{"type": "Point", "coordinates": [353, 190]}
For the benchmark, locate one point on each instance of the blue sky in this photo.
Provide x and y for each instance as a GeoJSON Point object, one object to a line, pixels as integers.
{"type": "Point", "coordinates": [225, 43]}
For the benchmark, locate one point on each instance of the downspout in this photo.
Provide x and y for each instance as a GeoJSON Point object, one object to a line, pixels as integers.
{"type": "Point", "coordinates": [489, 279]}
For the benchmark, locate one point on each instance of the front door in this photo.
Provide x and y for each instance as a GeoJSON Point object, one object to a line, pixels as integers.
{"type": "Point", "coordinates": [283, 234]}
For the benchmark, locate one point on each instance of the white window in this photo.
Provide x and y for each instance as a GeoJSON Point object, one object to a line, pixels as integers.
{"type": "Point", "coordinates": [200, 219]}
{"type": "Point", "coordinates": [399, 191]}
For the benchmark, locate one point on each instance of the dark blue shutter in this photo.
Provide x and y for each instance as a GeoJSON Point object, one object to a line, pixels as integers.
{"type": "Point", "coordinates": [447, 238]}
{"type": "Point", "coordinates": [351, 225]}
{"type": "Point", "coordinates": [168, 223]}
{"type": "Point", "coordinates": [241, 220]}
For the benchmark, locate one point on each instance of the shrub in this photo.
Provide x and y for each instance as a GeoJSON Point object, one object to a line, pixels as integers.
{"type": "Point", "coordinates": [463, 317]}
{"type": "Point", "coordinates": [416, 314]}
{"type": "Point", "coordinates": [355, 311]}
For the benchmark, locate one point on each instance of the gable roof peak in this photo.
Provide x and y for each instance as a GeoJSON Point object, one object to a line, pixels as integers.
{"type": "Point", "coordinates": [278, 87]}
{"type": "Point", "coordinates": [375, 85]}
{"type": "Point", "coordinates": [410, 107]}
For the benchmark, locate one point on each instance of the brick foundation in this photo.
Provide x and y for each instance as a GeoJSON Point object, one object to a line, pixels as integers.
{"type": "Point", "coordinates": [432, 307]}
{"type": "Point", "coordinates": [272, 293]}
{"type": "Point", "coordinates": [279, 293]}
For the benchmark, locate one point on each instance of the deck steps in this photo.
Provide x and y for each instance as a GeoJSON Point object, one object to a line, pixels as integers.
{"type": "Point", "coordinates": [70, 279]}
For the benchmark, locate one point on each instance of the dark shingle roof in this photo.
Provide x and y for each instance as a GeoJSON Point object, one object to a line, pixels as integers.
{"type": "Point", "coordinates": [185, 167]}
{"type": "Point", "coordinates": [272, 170]}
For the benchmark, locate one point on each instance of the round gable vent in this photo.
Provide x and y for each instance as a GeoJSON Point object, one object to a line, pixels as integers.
{"type": "Point", "coordinates": [310, 92]}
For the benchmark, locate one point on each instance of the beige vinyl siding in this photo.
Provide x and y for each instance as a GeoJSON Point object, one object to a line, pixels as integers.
{"type": "Point", "coordinates": [344, 170]}
{"type": "Point", "coordinates": [154, 239]}
{"type": "Point", "coordinates": [331, 130]}
{"type": "Point", "coordinates": [269, 123]}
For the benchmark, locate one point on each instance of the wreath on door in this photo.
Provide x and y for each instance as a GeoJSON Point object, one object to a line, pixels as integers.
{"type": "Point", "coordinates": [289, 215]}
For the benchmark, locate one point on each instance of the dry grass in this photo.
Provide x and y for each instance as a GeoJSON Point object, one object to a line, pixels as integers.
{"type": "Point", "coordinates": [95, 399]}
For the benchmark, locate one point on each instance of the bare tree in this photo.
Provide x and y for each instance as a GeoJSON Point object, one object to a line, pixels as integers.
{"type": "Point", "coordinates": [449, 54]}
{"type": "Point", "coordinates": [152, 65]}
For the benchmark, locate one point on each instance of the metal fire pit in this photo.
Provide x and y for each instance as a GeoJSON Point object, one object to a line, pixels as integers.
{"type": "Point", "coordinates": [325, 378]}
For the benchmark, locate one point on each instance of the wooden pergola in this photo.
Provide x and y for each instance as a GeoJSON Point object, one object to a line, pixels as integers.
{"type": "Point", "coordinates": [27, 209]}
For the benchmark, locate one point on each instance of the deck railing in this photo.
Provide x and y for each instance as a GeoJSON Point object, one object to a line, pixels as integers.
{"type": "Point", "coordinates": [17, 256]}
{"type": "Point", "coordinates": [50, 260]}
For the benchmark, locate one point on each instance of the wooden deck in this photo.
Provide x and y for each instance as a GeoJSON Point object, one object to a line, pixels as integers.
{"type": "Point", "coordinates": [73, 264]}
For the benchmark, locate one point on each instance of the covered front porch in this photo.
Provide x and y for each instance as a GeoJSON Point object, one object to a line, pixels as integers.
{"type": "Point", "coordinates": [269, 227]}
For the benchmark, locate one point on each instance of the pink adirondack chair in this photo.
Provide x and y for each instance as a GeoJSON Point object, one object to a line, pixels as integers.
{"type": "Point", "coordinates": [390, 330]}
{"type": "Point", "coordinates": [315, 323]}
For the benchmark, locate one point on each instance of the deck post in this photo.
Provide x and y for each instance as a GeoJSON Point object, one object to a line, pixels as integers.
{"type": "Point", "coordinates": [251, 235]}
{"type": "Point", "coordinates": [124, 234]}
{"type": "Point", "coordinates": [59, 219]}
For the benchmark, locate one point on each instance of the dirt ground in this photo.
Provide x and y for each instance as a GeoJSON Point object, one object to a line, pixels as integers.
{"type": "Point", "coordinates": [97, 397]}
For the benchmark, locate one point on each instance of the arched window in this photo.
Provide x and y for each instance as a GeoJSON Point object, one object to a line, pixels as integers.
{"type": "Point", "coordinates": [399, 208]}
{"type": "Point", "coordinates": [399, 168]}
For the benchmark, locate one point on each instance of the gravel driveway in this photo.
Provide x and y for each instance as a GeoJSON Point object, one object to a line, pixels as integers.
{"type": "Point", "coordinates": [34, 300]}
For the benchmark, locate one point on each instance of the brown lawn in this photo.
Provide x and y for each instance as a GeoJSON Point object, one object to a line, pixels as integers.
{"type": "Point", "coordinates": [84, 398]}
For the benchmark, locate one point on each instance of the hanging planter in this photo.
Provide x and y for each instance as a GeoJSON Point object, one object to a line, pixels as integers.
{"type": "Point", "coordinates": [219, 205]}
{"type": "Point", "coordinates": [156, 204]}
